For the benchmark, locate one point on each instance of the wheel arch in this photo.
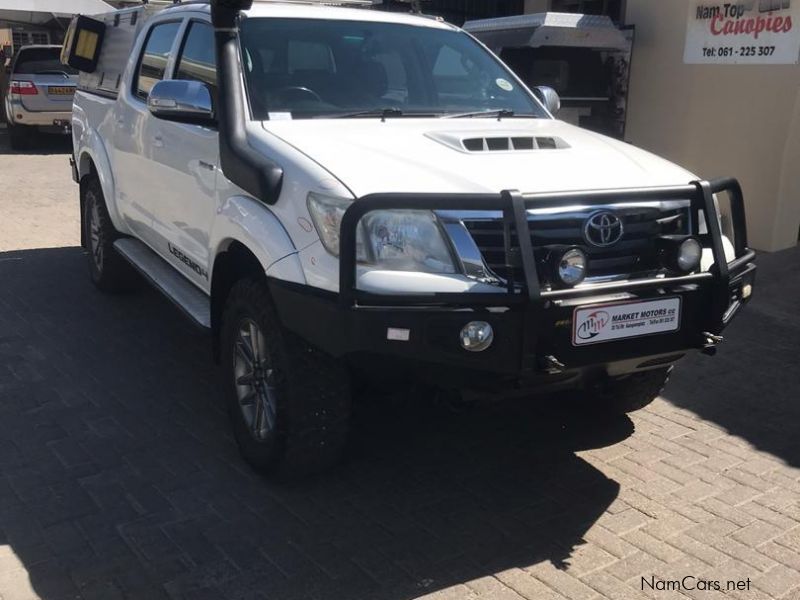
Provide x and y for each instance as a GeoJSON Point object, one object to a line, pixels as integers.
{"type": "Point", "coordinates": [93, 160]}
{"type": "Point", "coordinates": [234, 261]}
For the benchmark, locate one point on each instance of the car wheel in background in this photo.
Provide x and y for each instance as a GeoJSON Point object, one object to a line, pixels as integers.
{"type": "Point", "coordinates": [19, 137]}
{"type": "Point", "coordinates": [288, 402]}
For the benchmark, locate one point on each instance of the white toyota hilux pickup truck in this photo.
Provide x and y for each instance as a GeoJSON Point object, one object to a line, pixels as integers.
{"type": "Point", "coordinates": [339, 193]}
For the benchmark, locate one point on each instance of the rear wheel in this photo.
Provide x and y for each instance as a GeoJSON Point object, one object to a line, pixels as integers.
{"type": "Point", "coordinates": [108, 270]}
{"type": "Point", "coordinates": [288, 402]}
{"type": "Point", "coordinates": [19, 137]}
{"type": "Point", "coordinates": [635, 392]}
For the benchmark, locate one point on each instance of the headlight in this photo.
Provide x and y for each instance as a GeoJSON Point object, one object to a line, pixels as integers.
{"type": "Point", "coordinates": [393, 240]}
{"type": "Point", "coordinates": [406, 240]}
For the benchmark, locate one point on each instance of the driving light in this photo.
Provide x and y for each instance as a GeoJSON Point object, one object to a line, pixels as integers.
{"type": "Point", "coordinates": [690, 253]}
{"type": "Point", "coordinates": [571, 266]}
{"type": "Point", "coordinates": [477, 336]}
{"type": "Point", "coordinates": [680, 253]}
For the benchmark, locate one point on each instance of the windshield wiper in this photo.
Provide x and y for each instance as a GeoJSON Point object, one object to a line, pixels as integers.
{"type": "Point", "coordinates": [383, 113]}
{"type": "Point", "coordinates": [499, 113]}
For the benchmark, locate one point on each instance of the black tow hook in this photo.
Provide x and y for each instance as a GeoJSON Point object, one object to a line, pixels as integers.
{"type": "Point", "coordinates": [710, 343]}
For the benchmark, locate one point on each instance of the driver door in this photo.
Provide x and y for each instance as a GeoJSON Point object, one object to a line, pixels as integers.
{"type": "Point", "coordinates": [186, 158]}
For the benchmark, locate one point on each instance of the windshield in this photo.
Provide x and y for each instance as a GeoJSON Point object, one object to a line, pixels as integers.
{"type": "Point", "coordinates": [307, 68]}
{"type": "Point", "coordinates": [41, 61]}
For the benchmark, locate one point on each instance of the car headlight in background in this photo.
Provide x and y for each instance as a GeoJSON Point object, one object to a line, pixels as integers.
{"type": "Point", "coordinates": [392, 240]}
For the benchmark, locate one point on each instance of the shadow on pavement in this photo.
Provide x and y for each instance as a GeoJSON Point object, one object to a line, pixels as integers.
{"type": "Point", "coordinates": [38, 144]}
{"type": "Point", "coordinates": [752, 387]}
{"type": "Point", "coordinates": [119, 478]}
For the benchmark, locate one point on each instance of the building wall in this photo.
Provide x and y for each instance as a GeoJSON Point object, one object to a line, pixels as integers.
{"type": "Point", "coordinates": [718, 119]}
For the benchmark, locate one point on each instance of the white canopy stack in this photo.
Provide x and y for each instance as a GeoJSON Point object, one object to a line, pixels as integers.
{"type": "Point", "coordinates": [44, 11]}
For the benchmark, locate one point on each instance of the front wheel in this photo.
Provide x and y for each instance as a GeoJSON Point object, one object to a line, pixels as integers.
{"type": "Point", "coordinates": [288, 402]}
{"type": "Point", "coordinates": [635, 392]}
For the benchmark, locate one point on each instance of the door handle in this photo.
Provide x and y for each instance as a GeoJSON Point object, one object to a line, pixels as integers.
{"type": "Point", "coordinates": [158, 141]}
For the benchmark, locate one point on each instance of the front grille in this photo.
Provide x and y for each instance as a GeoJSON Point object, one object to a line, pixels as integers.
{"type": "Point", "coordinates": [634, 255]}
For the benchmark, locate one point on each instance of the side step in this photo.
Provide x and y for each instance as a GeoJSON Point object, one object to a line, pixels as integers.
{"type": "Point", "coordinates": [194, 303]}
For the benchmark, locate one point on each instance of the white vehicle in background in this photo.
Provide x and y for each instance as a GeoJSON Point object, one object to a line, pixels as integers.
{"type": "Point", "coordinates": [338, 192]}
{"type": "Point", "coordinates": [39, 95]}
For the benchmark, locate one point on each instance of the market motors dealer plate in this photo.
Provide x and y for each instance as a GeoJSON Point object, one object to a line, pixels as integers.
{"type": "Point", "coordinates": [609, 322]}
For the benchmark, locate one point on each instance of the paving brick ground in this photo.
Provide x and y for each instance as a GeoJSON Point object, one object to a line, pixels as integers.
{"type": "Point", "coordinates": [119, 478]}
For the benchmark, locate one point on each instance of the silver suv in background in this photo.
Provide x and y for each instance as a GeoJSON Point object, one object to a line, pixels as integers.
{"type": "Point", "coordinates": [39, 94]}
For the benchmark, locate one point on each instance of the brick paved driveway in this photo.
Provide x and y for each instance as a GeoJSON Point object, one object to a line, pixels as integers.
{"type": "Point", "coordinates": [119, 478]}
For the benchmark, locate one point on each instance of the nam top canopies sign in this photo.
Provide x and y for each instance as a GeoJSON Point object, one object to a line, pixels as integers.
{"type": "Point", "coordinates": [749, 32]}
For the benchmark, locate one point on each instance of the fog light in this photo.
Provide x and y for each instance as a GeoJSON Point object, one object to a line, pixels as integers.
{"type": "Point", "coordinates": [571, 267]}
{"type": "Point", "coordinates": [690, 254]}
{"type": "Point", "coordinates": [477, 336]}
{"type": "Point", "coordinates": [747, 291]}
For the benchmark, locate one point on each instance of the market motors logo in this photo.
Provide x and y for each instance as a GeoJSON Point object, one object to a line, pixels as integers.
{"type": "Point", "coordinates": [603, 229]}
{"type": "Point", "coordinates": [593, 325]}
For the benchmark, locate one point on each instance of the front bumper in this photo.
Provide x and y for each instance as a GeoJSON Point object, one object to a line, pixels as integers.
{"type": "Point", "coordinates": [17, 114]}
{"type": "Point", "coordinates": [533, 327]}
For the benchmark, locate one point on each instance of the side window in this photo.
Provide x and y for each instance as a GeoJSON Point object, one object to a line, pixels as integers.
{"type": "Point", "coordinates": [153, 63]}
{"type": "Point", "coordinates": [197, 60]}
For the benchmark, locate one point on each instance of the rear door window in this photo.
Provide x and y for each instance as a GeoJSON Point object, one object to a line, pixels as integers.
{"type": "Point", "coordinates": [155, 57]}
{"type": "Point", "coordinates": [41, 61]}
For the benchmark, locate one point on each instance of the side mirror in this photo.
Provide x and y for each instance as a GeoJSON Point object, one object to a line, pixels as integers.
{"type": "Point", "coordinates": [183, 101]}
{"type": "Point", "coordinates": [549, 97]}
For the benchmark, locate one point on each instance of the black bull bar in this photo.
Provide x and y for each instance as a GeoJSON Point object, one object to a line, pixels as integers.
{"type": "Point", "coordinates": [515, 206]}
{"type": "Point", "coordinates": [530, 321]}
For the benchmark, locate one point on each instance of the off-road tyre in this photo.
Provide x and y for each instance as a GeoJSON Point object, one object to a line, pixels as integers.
{"type": "Point", "coordinates": [19, 137]}
{"type": "Point", "coordinates": [108, 270]}
{"type": "Point", "coordinates": [634, 392]}
{"type": "Point", "coordinates": [312, 391]}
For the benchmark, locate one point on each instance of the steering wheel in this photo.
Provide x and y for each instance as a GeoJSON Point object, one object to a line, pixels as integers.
{"type": "Point", "coordinates": [301, 90]}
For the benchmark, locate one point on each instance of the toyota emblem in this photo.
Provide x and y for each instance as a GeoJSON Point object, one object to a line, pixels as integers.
{"type": "Point", "coordinates": [603, 229]}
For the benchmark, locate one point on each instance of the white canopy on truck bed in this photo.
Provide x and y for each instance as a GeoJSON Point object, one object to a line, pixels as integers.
{"type": "Point", "coordinates": [549, 29]}
{"type": "Point", "coordinates": [43, 11]}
